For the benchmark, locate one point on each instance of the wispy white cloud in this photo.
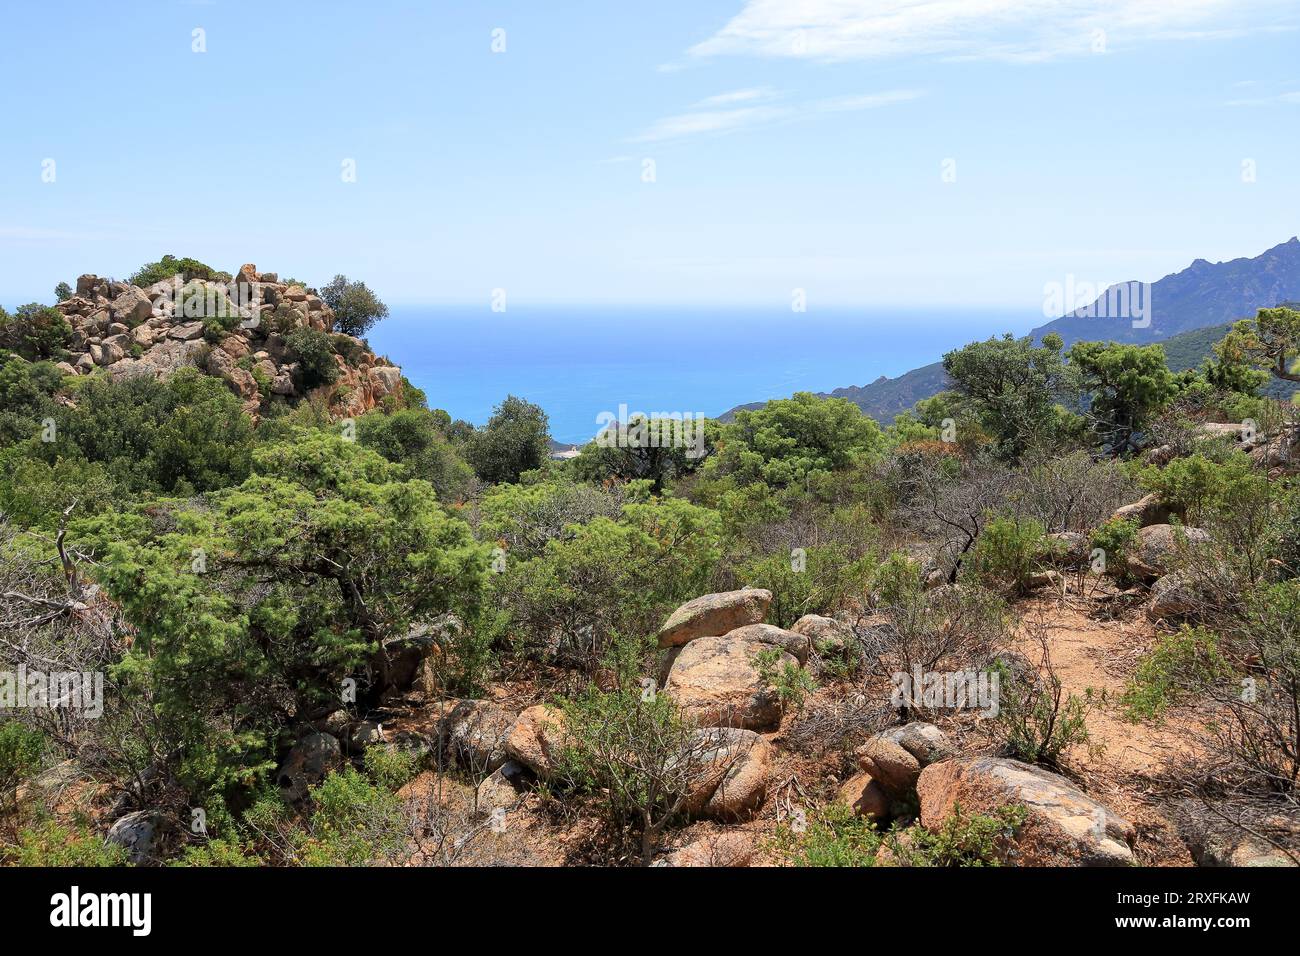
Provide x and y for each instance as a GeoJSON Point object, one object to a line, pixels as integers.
{"type": "Point", "coordinates": [737, 96]}
{"type": "Point", "coordinates": [701, 119]}
{"type": "Point", "coordinates": [1020, 30]}
{"type": "Point", "coordinates": [1292, 97]}
{"type": "Point", "coordinates": [867, 101]}
{"type": "Point", "coordinates": [710, 121]}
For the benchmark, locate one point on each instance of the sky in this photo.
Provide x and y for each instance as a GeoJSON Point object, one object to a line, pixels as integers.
{"type": "Point", "coordinates": [872, 153]}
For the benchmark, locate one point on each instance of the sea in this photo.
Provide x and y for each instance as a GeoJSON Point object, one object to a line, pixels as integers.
{"type": "Point", "coordinates": [584, 364]}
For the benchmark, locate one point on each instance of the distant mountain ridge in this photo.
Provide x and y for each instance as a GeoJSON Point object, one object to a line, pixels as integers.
{"type": "Point", "coordinates": [1205, 294]}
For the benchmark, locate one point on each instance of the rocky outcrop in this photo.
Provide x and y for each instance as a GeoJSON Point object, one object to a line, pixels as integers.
{"type": "Point", "coordinates": [896, 757]}
{"type": "Point", "coordinates": [1157, 545]}
{"type": "Point", "coordinates": [236, 331]}
{"type": "Point", "coordinates": [713, 615]}
{"type": "Point", "coordinates": [1063, 826]}
{"type": "Point", "coordinates": [1146, 511]}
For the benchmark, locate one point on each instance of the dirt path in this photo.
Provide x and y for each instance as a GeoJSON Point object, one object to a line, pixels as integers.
{"type": "Point", "coordinates": [1124, 762]}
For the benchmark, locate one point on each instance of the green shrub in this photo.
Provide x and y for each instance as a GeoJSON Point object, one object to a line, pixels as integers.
{"type": "Point", "coordinates": [354, 822]}
{"type": "Point", "coordinates": [816, 582]}
{"type": "Point", "coordinates": [220, 852]}
{"type": "Point", "coordinates": [313, 350]}
{"type": "Point", "coordinates": [1116, 539]}
{"type": "Point", "coordinates": [1179, 664]}
{"type": "Point", "coordinates": [35, 332]}
{"type": "Point", "coordinates": [833, 835]}
{"type": "Point", "coordinates": [21, 749]}
{"type": "Point", "coordinates": [1037, 720]}
{"type": "Point", "coordinates": [962, 839]}
{"type": "Point", "coordinates": [1007, 552]}
{"type": "Point", "coordinates": [791, 683]}
{"type": "Point", "coordinates": [1200, 487]}
{"type": "Point", "coordinates": [50, 843]}
{"type": "Point", "coordinates": [391, 767]}
{"type": "Point", "coordinates": [168, 266]}
{"type": "Point", "coordinates": [636, 758]}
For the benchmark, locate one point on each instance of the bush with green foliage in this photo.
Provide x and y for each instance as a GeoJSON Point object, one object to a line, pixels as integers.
{"type": "Point", "coordinates": [307, 567]}
{"type": "Point", "coordinates": [816, 581]}
{"type": "Point", "coordinates": [636, 758]}
{"type": "Point", "coordinates": [356, 308]}
{"type": "Point", "coordinates": [36, 332]}
{"type": "Point", "coordinates": [788, 440]}
{"type": "Point", "coordinates": [836, 836]}
{"type": "Point", "coordinates": [524, 517]}
{"type": "Point", "coordinates": [1013, 387]}
{"type": "Point", "coordinates": [609, 579]}
{"type": "Point", "coordinates": [653, 449]}
{"type": "Point", "coordinates": [49, 843]}
{"type": "Point", "coordinates": [417, 438]}
{"type": "Point", "coordinates": [1179, 665]}
{"type": "Point", "coordinates": [790, 682]}
{"type": "Point", "coordinates": [514, 440]}
{"type": "Point", "coordinates": [21, 750]}
{"type": "Point", "coordinates": [168, 266]}
{"type": "Point", "coordinates": [313, 351]}
{"type": "Point", "coordinates": [1007, 552]}
{"type": "Point", "coordinates": [1270, 342]}
{"type": "Point", "coordinates": [184, 435]}
{"type": "Point", "coordinates": [1037, 720]}
{"type": "Point", "coordinates": [1116, 539]}
{"type": "Point", "coordinates": [1128, 385]}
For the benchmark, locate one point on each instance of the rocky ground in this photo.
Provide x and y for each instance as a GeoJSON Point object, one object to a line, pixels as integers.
{"type": "Point", "coordinates": [1118, 800]}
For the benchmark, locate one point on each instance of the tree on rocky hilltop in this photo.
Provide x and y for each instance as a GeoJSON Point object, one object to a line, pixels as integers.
{"type": "Point", "coordinates": [356, 308]}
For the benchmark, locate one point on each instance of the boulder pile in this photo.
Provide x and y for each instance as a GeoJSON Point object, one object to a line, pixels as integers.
{"type": "Point", "coordinates": [237, 331]}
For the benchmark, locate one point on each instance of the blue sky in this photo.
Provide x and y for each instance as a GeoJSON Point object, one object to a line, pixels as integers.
{"type": "Point", "coordinates": [795, 143]}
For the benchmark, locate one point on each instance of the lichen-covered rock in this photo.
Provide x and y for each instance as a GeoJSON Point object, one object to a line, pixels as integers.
{"type": "Point", "coordinates": [716, 682]}
{"type": "Point", "coordinates": [475, 734]}
{"type": "Point", "coordinates": [828, 637]}
{"type": "Point", "coordinates": [1158, 544]}
{"type": "Point", "coordinates": [734, 768]}
{"type": "Point", "coordinates": [537, 738]}
{"type": "Point", "coordinates": [1063, 826]}
{"type": "Point", "coordinates": [727, 849]}
{"type": "Point", "coordinates": [136, 833]}
{"type": "Point", "coordinates": [1172, 598]}
{"type": "Point", "coordinates": [1145, 511]}
{"type": "Point", "coordinates": [714, 615]}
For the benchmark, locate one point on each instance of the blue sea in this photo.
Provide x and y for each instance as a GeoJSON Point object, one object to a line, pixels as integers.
{"type": "Point", "coordinates": [577, 362]}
